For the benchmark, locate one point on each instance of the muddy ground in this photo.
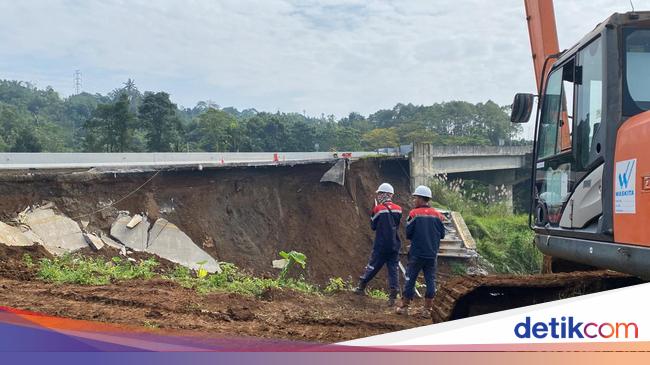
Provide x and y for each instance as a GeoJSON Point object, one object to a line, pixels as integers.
{"type": "Point", "coordinates": [162, 304]}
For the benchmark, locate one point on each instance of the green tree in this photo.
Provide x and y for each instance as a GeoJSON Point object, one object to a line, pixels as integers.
{"type": "Point", "coordinates": [161, 124]}
{"type": "Point", "coordinates": [381, 137]}
{"type": "Point", "coordinates": [110, 127]}
{"type": "Point", "coordinates": [215, 128]}
{"type": "Point", "coordinates": [26, 142]}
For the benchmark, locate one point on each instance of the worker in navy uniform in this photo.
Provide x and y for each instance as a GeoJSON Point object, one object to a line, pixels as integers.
{"type": "Point", "coordinates": [385, 220]}
{"type": "Point", "coordinates": [425, 229]}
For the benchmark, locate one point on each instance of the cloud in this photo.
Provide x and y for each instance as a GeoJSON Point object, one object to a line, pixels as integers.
{"type": "Point", "coordinates": [331, 56]}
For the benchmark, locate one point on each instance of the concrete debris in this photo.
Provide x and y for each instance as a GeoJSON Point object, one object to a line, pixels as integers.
{"type": "Point", "coordinates": [31, 235]}
{"type": "Point", "coordinates": [134, 221]}
{"type": "Point", "coordinates": [336, 173]}
{"type": "Point", "coordinates": [59, 234]}
{"type": "Point", "coordinates": [12, 236]}
{"type": "Point", "coordinates": [168, 241]}
{"type": "Point", "coordinates": [46, 205]}
{"type": "Point", "coordinates": [94, 241]}
{"type": "Point", "coordinates": [110, 242]}
{"type": "Point", "coordinates": [84, 223]}
{"type": "Point", "coordinates": [279, 264]}
{"type": "Point", "coordinates": [134, 238]}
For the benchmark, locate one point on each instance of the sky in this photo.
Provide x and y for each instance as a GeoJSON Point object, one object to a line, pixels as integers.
{"type": "Point", "coordinates": [329, 56]}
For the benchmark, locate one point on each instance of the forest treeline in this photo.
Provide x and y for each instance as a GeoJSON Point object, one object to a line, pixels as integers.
{"type": "Point", "coordinates": [128, 120]}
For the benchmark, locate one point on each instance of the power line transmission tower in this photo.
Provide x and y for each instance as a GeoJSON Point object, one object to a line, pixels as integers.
{"type": "Point", "coordinates": [77, 82]}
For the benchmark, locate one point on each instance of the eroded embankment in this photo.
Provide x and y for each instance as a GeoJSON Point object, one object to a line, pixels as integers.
{"type": "Point", "coordinates": [240, 215]}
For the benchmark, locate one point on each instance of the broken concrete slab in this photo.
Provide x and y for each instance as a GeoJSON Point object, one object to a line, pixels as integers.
{"type": "Point", "coordinates": [134, 238]}
{"type": "Point", "coordinates": [31, 235]}
{"type": "Point", "coordinates": [336, 173]}
{"type": "Point", "coordinates": [12, 236]}
{"type": "Point", "coordinates": [168, 241]}
{"type": "Point", "coordinates": [58, 233]}
{"type": "Point", "coordinates": [110, 242]}
{"type": "Point", "coordinates": [94, 241]}
{"type": "Point", "coordinates": [279, 264]}
{"type": "Point", "coordinates": [134, 221]}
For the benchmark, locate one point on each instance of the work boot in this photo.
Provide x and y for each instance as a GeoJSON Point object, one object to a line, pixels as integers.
{"type": "Point", "coordinates": [403, 308]}
{"type": "Point", "coordinates": [428, 307]}
{"type": "Point", "coordinates": [360, 289]}
{"type": "Point", "coordinates": [391, 299]}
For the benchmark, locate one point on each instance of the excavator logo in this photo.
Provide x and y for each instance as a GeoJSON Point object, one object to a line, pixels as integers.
{"type": "Point", "coordinates": [625, 192]}
{"type": "Point", "coordinates": [624, 178]}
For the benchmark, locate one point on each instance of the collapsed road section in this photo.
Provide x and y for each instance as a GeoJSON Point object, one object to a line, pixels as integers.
{"type": "Point", "coordinates": [243, 215]}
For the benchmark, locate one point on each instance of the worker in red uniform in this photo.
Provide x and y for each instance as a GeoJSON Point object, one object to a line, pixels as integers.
{"type": "Point", "coordinates": [385, 219]}
{"type": "Point", "coordinates": [425, 229]}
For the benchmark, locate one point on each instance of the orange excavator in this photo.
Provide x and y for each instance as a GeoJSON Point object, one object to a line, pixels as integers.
{"type": "Point", "coordinates": [590, 177]}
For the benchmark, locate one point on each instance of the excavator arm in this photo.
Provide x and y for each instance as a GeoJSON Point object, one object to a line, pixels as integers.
{"type": "Point", "coordinates": [542, 31]}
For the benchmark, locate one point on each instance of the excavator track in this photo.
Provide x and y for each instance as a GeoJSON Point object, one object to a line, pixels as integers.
{"type": "Point", "coordinates": [468, 296]}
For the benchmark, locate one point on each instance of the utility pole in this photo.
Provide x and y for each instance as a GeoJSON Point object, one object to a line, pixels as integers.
{"type": "Point", "coordinates": [77, 81]}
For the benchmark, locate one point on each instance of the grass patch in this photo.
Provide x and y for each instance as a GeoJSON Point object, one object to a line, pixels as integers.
{"type": "Point", "coordinates": [77, 269]}
{"type": "Point", "coordinates": [503, 238]}
{"type": "Point", "coordinates": [378, 294]}
{"type": "Point", "coordinates": [335, 285]}
{"type": "Point", "coordinates": [458, 268]}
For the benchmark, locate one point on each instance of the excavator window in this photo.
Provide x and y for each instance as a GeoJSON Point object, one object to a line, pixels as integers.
{"type": "Point", "coordinates": [571, 110]}
{"type": "Point", "coordinates": [557, 112]}
{"type": "Point", "coordinates": [548, 128]}
{"type": "Point", "coordinates": [637, 72]}
{"type": "Point", "coordinates": [589, 104]}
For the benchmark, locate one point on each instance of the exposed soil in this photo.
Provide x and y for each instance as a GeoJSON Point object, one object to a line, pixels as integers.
{"type": "Point", "coordinates": [163, 304]}
{"type": "Point", "coordinates": [239, 215]}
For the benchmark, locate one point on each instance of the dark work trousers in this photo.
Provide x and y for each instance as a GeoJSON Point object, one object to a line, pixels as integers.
{"type": "Point", "coordinates": [415, 265]}
{"type": "Point", "coordinates": [377, 260]}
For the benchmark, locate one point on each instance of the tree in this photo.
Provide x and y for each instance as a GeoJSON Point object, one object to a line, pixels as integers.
{"type": "Point", "coordinates": [161, 124]}
{"type": "Point", "coordinates": [26, 142]}
{"type": "Point", "coordinates": [110, 127]}
{"type": "Point", "coordinates": [381, 137]}
{"type": "Point", "coordinates": [216, 129]}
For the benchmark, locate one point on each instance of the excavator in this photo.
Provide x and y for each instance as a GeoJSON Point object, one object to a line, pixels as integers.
{"type": "Point", "coordinates": [590, 174]}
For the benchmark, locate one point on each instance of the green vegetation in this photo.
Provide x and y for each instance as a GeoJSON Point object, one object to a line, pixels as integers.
{"type": "Point", "coordinates": [128, 120]}
{"type": "Point", "coordinates": [233, 280]}
{"type": "Point", "coordinates": [335, 285]}
{"type": "Point", "coordinates": [291, 258]}
{"type": "Point", "coordinates": [458, 268]}
{"type": "Point", "coordinates": [503, 238]}
{"type": "Point", "coordinates": [77, 269]}
{"type": "Point", "coordinates": [378, 294]}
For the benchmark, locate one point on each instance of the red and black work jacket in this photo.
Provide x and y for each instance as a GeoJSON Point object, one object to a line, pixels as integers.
{"type": "Point", "coordinates": [385, 221]}
{"type": "Point", "coordinates": [425, 229]}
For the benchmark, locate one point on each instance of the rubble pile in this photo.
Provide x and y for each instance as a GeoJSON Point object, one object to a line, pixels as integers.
{"type": "Point", "coordinates": [59, 234]}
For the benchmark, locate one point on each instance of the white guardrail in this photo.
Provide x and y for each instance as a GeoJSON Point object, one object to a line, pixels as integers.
{"type": "Point", "coordinates": [13, 161]}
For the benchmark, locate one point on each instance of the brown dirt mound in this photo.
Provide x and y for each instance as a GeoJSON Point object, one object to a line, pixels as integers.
{"type": "Point", "coordinates": [13, 264]}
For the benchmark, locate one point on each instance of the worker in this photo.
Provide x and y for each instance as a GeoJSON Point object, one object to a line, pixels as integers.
{"type": "Point", "coordinates": [385, 219]}
{"type": "Point", "coordinates": [425, 229]}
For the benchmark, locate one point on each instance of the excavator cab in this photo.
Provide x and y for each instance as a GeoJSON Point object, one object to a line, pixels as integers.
{"type": "Point", "coordinates": [592, 131]}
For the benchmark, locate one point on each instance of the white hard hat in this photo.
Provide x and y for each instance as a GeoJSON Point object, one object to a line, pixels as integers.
{"type": "Point", "coordinates": [386, 188]}
{"type": "Point", "coordinates": [422, 191]}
